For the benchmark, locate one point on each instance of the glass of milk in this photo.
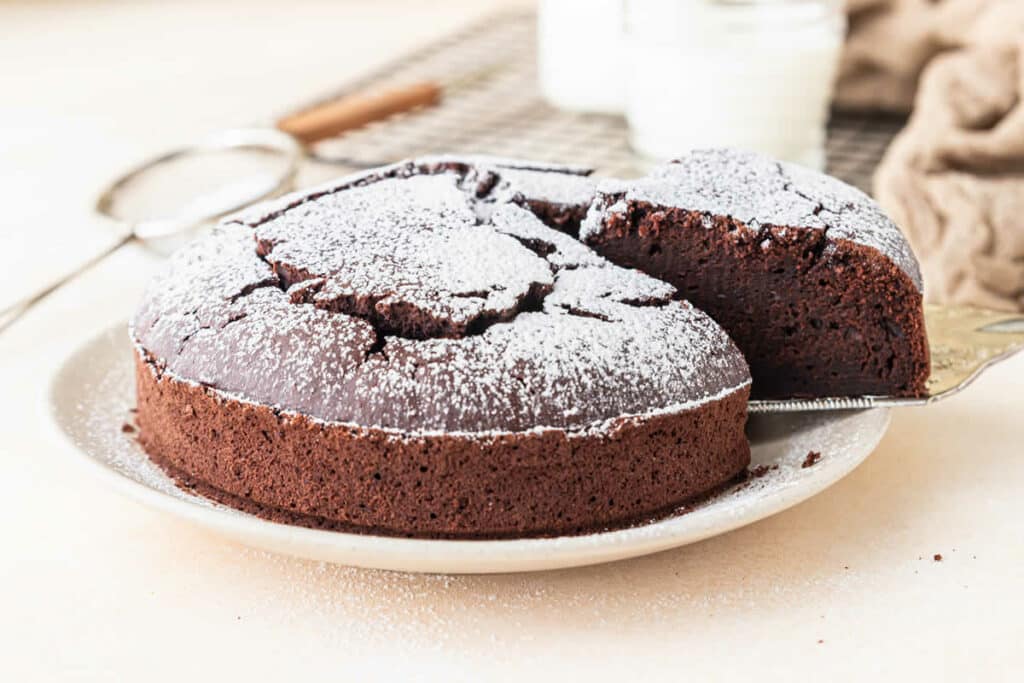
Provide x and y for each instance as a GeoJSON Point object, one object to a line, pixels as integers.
{"type": "Point", "coordinates": [580, 60]}
{"type": "Point", "coordinates": [749, 74]}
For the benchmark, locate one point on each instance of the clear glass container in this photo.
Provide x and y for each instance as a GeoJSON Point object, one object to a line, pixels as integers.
{"type": "Point", "coordinates": [749, 74]}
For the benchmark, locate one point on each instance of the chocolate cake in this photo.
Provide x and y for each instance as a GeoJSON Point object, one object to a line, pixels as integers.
{"type": "Point", "coordinates": [817, 287]}
{"type": "Point", "coordinates": [461, 347]}
{"type": "Point", "coordinates": [414, 351]}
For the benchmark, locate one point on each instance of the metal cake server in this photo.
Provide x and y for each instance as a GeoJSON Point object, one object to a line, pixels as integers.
{"type": "Point", "coordinates": [964, 341]}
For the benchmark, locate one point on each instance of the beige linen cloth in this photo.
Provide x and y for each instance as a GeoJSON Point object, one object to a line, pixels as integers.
{"type": "Point", "coordinates": [953, 179]}
{"type": "Point", "coordinates": [890, 42]}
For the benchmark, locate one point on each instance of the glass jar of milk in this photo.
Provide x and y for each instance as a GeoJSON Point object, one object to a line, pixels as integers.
{"type": "Point", "coordinates": [749, 74]}
{"type": "Point", "coordinates": [580, 62]}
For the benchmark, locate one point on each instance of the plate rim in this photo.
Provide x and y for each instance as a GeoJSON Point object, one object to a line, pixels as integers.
{"type": "Point", "coordinates": [449, 556]}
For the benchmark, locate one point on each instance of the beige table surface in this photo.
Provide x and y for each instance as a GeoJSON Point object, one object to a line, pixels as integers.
{"type": "Point", "coordinates": [93, 587]}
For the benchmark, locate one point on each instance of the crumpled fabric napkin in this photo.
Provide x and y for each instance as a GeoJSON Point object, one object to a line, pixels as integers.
{"type": "Point", "coordinates": [888, 44]}
{"type": "Point", "coordinates": [953, 179]}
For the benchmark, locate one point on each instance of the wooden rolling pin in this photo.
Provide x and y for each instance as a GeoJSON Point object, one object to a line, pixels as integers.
{"type": "Point", "coordinates": [357, 109]}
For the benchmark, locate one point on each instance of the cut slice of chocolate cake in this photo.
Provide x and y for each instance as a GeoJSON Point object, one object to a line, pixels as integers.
{"type": "Point", "coordinates": [817, 287]}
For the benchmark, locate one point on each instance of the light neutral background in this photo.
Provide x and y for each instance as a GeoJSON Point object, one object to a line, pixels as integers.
{"type": "Point", "coordinates": [93, 587]}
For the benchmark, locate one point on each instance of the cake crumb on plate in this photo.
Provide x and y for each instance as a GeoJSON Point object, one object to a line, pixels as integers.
{"type": "Point", "coordinates": [812, 458]}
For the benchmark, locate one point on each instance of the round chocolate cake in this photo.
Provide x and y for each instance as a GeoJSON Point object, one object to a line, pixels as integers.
{"type": "Point", "coordinates": [439, 348]}
{"type": "Point", "coordinates": [417, 351]}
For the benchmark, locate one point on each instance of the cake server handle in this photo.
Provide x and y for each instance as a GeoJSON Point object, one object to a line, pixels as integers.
{"type": "Point", "coordinates": [963, 341]}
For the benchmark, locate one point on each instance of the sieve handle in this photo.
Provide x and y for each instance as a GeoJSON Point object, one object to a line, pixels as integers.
{"type": "Point", "coordinates": [12, 312]}
{"type": "Point", "coordinates": [358, 109]}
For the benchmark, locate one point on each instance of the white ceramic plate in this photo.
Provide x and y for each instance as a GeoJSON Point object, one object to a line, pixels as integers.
{"type": "Point", "coordinates": [92, 392]}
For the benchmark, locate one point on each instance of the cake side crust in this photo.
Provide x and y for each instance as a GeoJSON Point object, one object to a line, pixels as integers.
{"type": "Point", "coordinates": [292, 469]}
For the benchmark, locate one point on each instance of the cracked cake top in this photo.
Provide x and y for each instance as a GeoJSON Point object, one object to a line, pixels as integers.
{"type": "Point", "coordinates": [758, 191]}
{"type": "Point", "coordinates": [430, 297]}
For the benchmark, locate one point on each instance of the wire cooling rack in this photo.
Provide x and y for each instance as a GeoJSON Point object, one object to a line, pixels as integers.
{"type": "Point", "coordinates": [492, 105]}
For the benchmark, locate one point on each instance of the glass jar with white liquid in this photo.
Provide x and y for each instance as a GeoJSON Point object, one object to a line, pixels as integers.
{"type": "Point", "coordinates": [580, 63]}
{"type": "Point", "coordinates": [749, 74]}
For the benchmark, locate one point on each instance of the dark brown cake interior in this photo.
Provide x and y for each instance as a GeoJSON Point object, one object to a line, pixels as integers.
{"type": "Point", "coordinates": [846, 325]}
{"type": "Point", "coordinates": [812, 281]}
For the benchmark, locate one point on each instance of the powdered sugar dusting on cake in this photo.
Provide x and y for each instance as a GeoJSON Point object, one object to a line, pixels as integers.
{"type": "Point", "coordinates": [406, 252]}
{"type": "Point", "coordinates": [562, 250]}
{"type": "Point", "coordinates": [758, 191]}
{"type": "Point", "coordinates": [489, 161]}
{"type": "Point", "coordinates": [523, 182]}
{"type": "Point", "coordinates": [325, 308]}
{"type": "Point", "coordinates": [563, 189]}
